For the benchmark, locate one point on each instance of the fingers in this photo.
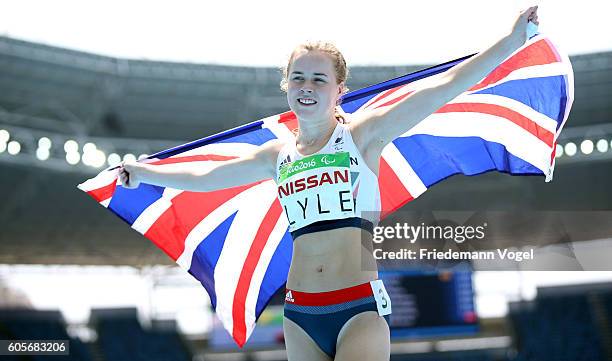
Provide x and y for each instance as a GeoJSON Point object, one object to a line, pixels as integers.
{"type": "Point", "coordinates": [530, 12]}
{"type": "Point", "coordinates": [124, 177]}
{"type": "Point", "coordinates": [531, 15]}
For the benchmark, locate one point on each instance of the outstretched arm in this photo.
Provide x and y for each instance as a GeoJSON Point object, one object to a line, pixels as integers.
{"type": "Point", "coordinates": [257, 166]}
{"type": "Point", "coordinates": [385, 124]}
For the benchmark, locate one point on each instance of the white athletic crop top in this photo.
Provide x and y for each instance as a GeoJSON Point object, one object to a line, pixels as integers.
{"type": "Point", "coordinates": [329, 189]}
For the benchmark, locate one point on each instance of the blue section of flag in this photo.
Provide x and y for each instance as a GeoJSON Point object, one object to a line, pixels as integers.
{"type": "Point", "coordinates": [352, 106]}
{"type": "Point", "coordinates": [452, 155]}
{"type": "Point", "coordinates": [207, 254]}
{"type": "Point", "coordinates": [130, 203]}
{"type": "Point", "coordinates": [257, 137]}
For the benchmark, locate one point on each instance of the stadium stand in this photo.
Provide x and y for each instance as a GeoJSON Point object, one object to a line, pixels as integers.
{"type": "Point", "coordinates": [559, 325]}
{"type": "Point", "coordinates": [121, 338]}
{"type": "Point", "coordinates": [17, 324]}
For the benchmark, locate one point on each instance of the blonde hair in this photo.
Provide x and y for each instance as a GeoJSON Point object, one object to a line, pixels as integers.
{"type": "Point", "coordinates": [340, 68]}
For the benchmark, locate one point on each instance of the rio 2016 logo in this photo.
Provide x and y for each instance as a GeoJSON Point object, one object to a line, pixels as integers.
{"type": "Point", "coordinates": [301, 166]}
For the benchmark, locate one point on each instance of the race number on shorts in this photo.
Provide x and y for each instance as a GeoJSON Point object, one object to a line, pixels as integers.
{"type": "Point", "coordinates": [383, 302]}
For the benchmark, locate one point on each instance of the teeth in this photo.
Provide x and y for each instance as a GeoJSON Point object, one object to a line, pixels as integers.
{"type": "Point", "coordinates": [306, 101]}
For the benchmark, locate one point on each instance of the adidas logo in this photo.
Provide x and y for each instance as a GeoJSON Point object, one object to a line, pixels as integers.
{"type": "Point", "coordinates": [289, 297]}
{"type": "Point", "coordinates": [285, 161]}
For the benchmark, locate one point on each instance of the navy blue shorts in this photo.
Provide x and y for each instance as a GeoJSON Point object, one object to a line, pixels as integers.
{"type": "Point", "coordinates": [321, 315]}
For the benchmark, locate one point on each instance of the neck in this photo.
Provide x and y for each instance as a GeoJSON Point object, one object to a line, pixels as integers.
{"type": "Point", "coordinates": [311, 131]}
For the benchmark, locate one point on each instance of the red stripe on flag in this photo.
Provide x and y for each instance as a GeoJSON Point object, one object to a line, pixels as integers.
{"type": "Point", "coordinates": [383, 95]}
{"type": "Point", "coordinates": [393, 194]}
{"type": "Point", "coordinates": [103, 193]}
{"type": "Point", "coordinates": [395, 100]}
{"type": "Point", "coordinates": [246, 275]}
{"type": "Point", "coordinates": [193, 158]}
{"type": "Point", "coordinates": [554, 50]}
{"type": "Point", "coordinates": [500, 111]}
{"type": "Point", "coordinates": [169, 231]}
{"type": "Point", "coordinates": [289, 119]}
{"type": "Point", "coordinates": [538, 53]}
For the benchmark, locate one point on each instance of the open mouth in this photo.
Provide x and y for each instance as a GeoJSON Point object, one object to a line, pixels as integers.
{"type": "Point", "coordinates": [307, 102]}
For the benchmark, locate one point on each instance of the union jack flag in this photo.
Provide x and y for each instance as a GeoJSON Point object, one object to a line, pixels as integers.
{"type": "Point", "coordinates": [235, 241]}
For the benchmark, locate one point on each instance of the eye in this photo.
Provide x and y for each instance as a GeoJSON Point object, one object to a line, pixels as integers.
{"type": "Point", "coordinates": [298, 78]}
{"type": "Point", "coordinates": [319, 80]}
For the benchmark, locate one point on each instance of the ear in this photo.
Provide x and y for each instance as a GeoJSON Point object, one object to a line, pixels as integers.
{"type": "Point", "coordinates": [341, 87]}
{"type": "Point", "coordinates": [340, 92]}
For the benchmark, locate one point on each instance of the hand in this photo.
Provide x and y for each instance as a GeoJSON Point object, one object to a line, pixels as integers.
{"type": "Point", "coordinates": [128, 174]}
{"type": "Point", "coordinates": [519, 31]}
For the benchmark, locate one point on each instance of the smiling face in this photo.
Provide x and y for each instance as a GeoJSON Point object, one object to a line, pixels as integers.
{"type": "Point", "coordinates": [312, 87]}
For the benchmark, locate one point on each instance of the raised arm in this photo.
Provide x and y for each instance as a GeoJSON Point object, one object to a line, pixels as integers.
{"type": "Point", "coordinates": [259, 165]}
{"type": "Point", "coordinates": [383, 125]}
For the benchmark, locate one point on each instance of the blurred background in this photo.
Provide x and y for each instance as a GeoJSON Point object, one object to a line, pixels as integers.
{"type": "Point", "coordinates": [85, 85]}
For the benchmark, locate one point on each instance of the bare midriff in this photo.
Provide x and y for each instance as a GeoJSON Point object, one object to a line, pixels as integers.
{"type": "Point", "coordinates": [331, 260]}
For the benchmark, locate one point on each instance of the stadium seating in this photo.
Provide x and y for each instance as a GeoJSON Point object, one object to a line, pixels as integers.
{"type": "Point", "coordinates": [16, 324]}
{"type": "Point", "coordinates": [481, 355]}
{"type": "Point", "coordinates": [556, 328]}
{"type": "Point", "coordinates": [122, 338]}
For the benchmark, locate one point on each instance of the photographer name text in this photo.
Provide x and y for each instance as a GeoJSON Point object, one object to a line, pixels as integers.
{"type": "Point", "coordinates": [434, 254]}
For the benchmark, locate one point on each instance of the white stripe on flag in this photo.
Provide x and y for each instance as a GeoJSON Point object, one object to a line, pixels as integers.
{"type": "Point", "coordinates": [152, 213]}
{"type": "Point", "coordinates": [403, 170]}
{"type": "Point", "coordinates": [105, 178]}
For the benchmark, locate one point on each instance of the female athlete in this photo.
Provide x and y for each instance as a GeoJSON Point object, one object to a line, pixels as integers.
{"type": "Point", "coordinates": [335, 305]}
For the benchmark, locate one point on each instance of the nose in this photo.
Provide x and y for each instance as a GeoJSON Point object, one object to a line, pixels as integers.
{"type": "Point", "coordinates": [305, 90]}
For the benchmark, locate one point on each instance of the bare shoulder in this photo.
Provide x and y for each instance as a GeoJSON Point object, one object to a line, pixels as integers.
{"type": "Point", "coordinates": [361, 126]}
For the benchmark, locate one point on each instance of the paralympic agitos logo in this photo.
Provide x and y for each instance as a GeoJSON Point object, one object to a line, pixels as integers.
{"type": "Point", "coordinates": [327, 161]}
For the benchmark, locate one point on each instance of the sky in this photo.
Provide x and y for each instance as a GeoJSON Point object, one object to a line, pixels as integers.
{"type": "Point", "coordinates": [263, 33]}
